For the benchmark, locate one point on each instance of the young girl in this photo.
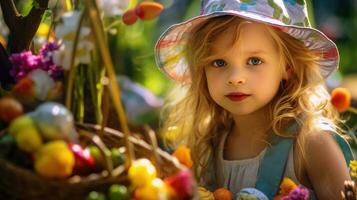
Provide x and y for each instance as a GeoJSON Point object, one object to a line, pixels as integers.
{"type": "Point", "coordinates": [252, 105]}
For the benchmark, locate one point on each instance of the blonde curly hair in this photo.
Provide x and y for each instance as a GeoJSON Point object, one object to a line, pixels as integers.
{"type": "Point", "coordinates": [193, 118]}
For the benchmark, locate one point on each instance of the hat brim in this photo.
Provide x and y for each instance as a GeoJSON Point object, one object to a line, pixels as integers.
{"type": "Point", "coordinates": [170, 47]}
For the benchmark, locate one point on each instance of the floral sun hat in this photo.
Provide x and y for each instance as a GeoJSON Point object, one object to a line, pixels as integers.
{"type": "Point", "coordinates": [290, 16]}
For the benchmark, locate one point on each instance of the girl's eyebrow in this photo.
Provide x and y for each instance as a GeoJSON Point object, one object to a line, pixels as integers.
{"type": "Point", "coordinates": [259, 51]}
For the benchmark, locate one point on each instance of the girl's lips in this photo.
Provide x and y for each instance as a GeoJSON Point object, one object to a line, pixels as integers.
{"type": "Point", "coordinates": [237, 96]}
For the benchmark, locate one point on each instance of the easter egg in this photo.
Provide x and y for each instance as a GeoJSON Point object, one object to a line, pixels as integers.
{"type": "Point", "coordinates": [155, 190]}
{"type": "Point", "coordinates": [84, 161]}
{"type": "Point", "coordinates": [182, 183]}
{"type": "Point", "coordinates": [222, 194]}
{"type": "Point", "coordinates": [95, 196]}
{"type": "Point", "coordinates": [118, 192]}
{"type": "Point", "coordinates": [20, 123]}
{"type": "Point", "coordinates": [55, 121]}
{"type": "Point", "coordinates": [95, 153]}
{"type": "Point", "coordinates": [141, 172]}
{"type": "Point", "coordinates": [28, 139]}
{"type": "Point", "coordinates": [205, 194]}
{"type": "Point", "coordinates": [54, 160]}
{"type": "Point", "coordinates": [9, 109]}
{"type": "Point", "coordinates": [118, 158]}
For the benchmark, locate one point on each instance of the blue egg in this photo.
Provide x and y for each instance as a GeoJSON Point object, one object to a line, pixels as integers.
{"type": "Point", "coordinates": [55, 121]}
{"type": "Point", "coordinates": [251, 194]}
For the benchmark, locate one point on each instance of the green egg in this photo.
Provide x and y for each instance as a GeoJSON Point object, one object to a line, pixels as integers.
{"type": "Point", "coordinates": [95, 196]}
{"type": "Point", "coordinates": [95, 152]}
{"type": "Point", "coordinates": [118, 192]}
{"type": "Point", "coordinates": [118, 158]}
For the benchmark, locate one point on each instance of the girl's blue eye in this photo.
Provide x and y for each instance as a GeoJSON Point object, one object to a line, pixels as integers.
{"type": "Point", "coordinates": [254, 61]}
{"type": "Point", "coordinates": [219, 63]}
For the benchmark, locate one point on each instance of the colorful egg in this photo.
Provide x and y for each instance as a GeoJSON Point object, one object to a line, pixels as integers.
{"type": "Point", "coordinates": [155, 190]}
{"type": "Point", "coordinates": [55, 121]}
{"type": "Point", "coordinates": [118, 192]}
{"type": "Point", "coordinates": [222, 194]}
{"type": "Point", "coordinates": [10, 109]}
{"type": "Point", "coordinates": [141, 173]}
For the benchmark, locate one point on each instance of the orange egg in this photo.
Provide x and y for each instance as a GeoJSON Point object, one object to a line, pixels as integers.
{"type": "Point", "coordinates": [148, 10]}
{"type": "Point", "coordinates": [222, 194]}
{"type": "Point", "coordinates": [10, 109]}
{"type": "Point", "coordinates": [183, 154]}
{"type": "Point", "coordinates": [341, 99]}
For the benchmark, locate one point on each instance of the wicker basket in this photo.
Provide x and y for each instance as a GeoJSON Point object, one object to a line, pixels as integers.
{"type": "Point", "coordinates": [19, 183]}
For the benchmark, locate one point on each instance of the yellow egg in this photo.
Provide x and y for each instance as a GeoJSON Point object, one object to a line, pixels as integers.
{"type": "Point", "coordinates": [22, 122]}
{"type": "Point", "coordinates": [28, 139]}
{"type": "Point", "coordinates": [54, 159]}
{"type": "Point", "coordinates": [205, 194]}
{"type": "Point", "coordinates": [141, 172]}
{"type": "Point", "coordinates": [155, 190]}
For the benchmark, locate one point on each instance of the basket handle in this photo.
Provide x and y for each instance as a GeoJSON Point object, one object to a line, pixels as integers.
{"type": "Point", "coordinates": [152, 139]}
{"type": "Point", "coordinates": [91, 11]}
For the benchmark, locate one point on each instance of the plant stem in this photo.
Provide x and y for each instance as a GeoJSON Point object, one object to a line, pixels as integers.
{"type": "Point", "coordinates": [114, 89]}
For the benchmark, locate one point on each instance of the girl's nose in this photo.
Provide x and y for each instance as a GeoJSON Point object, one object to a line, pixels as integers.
{"type": "Point", "coordinates": [236, 79]}
{"type": "Point", "coordinates": [236, 82]}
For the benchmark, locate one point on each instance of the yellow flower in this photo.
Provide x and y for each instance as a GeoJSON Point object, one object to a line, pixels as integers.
{"type": "Point", "coordinates": [286, 186]}
{"type": "Point", "coordinates": [43, 30]}
{"type": "Point", "coordinates": [353, 168]}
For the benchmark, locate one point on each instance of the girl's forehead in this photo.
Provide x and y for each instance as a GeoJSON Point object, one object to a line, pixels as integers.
{"type": "Point", "coordinates": [249, 37]}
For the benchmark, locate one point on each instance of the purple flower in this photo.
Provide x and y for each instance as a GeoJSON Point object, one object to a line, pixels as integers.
{"type": "Point", "coordinates": [25, 62]}
{"type": "Point", "coordinates": [48, 48]}
{"type": "Point", "coordinates": [299, 193]}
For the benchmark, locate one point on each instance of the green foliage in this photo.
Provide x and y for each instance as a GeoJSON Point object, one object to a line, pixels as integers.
{"type": "Point", "coordinates": [132, 51]}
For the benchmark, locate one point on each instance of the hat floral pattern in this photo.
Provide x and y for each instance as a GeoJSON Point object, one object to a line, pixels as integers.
{"type": "Point", "coordinates": [289, 16]}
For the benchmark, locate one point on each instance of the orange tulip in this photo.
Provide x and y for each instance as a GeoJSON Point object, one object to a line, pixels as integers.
{"type": "Point", "coordinates": [183, 154]}
{"type": "Point", "coordinates": [148, 10]}
{"type": "Point", "coordinates": [222, 194]}
{"type": "Point", "coordinates": [129, 17]}
{"type": "Point", "coordinates": [341, 99]}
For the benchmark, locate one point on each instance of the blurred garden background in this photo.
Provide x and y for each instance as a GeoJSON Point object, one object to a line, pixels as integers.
{"type": "Point", "coordinates": [132, 49]}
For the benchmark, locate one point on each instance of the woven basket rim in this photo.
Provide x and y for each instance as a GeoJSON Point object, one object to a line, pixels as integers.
{"type": "Point", "coordinates": [93, 177]}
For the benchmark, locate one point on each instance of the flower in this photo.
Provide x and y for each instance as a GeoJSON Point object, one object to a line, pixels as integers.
{"type": "Point", "coordinates": [286, 186]}
{"type": "Point", "coordinates": [290, 191]}
{"type": "Point", "coordinates": [112, 7]}
{"type": "Point", "coordinates": [65, 33]}
{"type": "Point", "coordinates": [353, 168]}
{"type": "Point", "coordinates": [183, 154]}
{"type": "Point", "coordinates": [299, 193]}
{"type": "Point", "coordinates": [341, 99]}
{"type": "Point", "coordinates": [25, 62]}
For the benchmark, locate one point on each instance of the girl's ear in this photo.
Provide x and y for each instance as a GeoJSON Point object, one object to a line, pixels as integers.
{"type": "Point", "coordinates": [287, 72]}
